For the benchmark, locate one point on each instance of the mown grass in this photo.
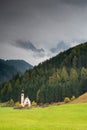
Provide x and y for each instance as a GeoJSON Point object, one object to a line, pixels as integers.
{"type": "Point", "coordinates": [64, 117]}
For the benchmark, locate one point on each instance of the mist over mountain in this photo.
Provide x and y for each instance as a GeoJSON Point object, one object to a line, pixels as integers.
{"type": "Point", "coordinates": [20, 65]}
{"type": "Point", "coordinates": [61, 46]}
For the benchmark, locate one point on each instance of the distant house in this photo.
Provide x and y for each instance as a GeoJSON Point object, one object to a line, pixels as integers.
{"type": "Point", "coordinates": [25, 101]}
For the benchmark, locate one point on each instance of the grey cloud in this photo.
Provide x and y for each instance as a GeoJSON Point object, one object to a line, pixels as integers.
{"type": "Point", "coordinates": [45, 22]}
{"type": "Point", "coordinates": [39, 55]}
{"type": "Point", "coordinates": [61, 46]}
{"type": "Point", "coordinates": [27, 45]}
{"type": "Point", "coordinates": [75, 2]}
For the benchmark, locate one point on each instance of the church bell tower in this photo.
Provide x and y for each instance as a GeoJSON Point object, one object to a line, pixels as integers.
{"type": "Point", "coordinates": [22, 97]}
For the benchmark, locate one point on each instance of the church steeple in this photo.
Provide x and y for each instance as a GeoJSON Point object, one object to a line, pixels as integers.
{"type": "Point", "coordinates": [22, 97]}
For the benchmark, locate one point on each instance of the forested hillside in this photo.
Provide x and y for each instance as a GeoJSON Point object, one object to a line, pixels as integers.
{"type": "Point", "coordinates": [53, 80]}
{"type": "Point", "coordinates": [20, 65]}
{"type": "Point", "coordinates": [6, 71]}
{"type": "Point", "coordinates": [9, 68]}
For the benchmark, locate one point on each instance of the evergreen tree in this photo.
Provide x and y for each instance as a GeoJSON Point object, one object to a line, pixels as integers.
{"type": "Point", "coordinates": [64, 75]}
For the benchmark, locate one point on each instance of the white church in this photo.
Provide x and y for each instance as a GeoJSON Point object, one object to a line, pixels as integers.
{"type": "Point", "coordinates": [25, 101]}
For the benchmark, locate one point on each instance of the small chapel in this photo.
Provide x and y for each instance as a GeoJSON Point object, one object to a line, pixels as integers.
{"type": "Point", "coordinates": [25, 101]}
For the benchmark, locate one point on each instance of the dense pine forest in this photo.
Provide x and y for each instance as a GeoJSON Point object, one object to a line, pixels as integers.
{"type": "Point", "coordinates": [64, 75]}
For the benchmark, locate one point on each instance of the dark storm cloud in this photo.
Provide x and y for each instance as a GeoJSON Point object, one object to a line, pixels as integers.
{"type": "Point", "coordinates": [27, 45]}
{"type": "Point", "coordinates": [61, 46]}
{"type": "Point", "coordinates": [36, 20]}
{"type": "Point", "coordinates": [19, 9]}
{"type": "Point", "coordinates": [11, 9]}
{"type": "Point", "coordinates": [75, 2]}
{"type": "Point", "coordinates": [20, 18]}
{"type": "Point", "coordinates": [45, 23]}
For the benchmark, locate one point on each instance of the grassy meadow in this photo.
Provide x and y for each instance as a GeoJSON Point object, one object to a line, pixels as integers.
{"type": "Point", "coordinates": [63, 117]}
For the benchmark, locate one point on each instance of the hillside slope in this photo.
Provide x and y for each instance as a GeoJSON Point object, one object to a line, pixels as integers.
{"type": "Point", "coordinates": [9, 68]}
{"type": "Point", "coordinates": [6, 71]}
{"type": "Point", "coordinates": [81, 99]}
{"type": "Point", "coordinates": [20, 65]}
{"type": "Point", "coordinates": [73, 57]}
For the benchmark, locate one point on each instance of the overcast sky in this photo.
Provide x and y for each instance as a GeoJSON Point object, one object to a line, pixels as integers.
{"type": "Point", "coordinates": [35, 30]}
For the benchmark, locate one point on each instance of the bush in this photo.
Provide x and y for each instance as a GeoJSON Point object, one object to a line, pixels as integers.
{"type": "Point", "coordinates": [4, 104]}
{"type": "Point", "coordinates": [34, 103]}
{"type": "Point", "coordinates": [73, 98]}
{"type": "Point", "coordinates": [10, 103]}
{"type": "Point", "coordinates": [67, 99]}
{"type": "Point", "coordinates": [18, 105]}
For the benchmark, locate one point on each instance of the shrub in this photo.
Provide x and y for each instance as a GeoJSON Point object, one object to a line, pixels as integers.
{"type": "Point", "coordinates": [73, 98]}
{"type": "Point", "coordinates": [4, 104]}
{"type": "Point", "coordinates": [18, 105]}
{"type": "Point", "coordinates": [67, 99]}
{"type": "Point", "coordinates": [10, 103]}
{"type": "Point", "coordinates": [34, 103]}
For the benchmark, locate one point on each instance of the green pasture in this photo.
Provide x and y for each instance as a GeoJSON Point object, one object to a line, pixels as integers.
{"type": "Point", "coordinates": [63, 117]}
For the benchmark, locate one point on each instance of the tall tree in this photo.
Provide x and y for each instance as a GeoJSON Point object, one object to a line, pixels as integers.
{"type": "Point", "coordinates": [64, 75]}
{"type": "Point", "coordinates": [74, 82]}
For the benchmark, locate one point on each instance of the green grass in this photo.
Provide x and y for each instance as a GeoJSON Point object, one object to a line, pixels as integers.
{"type": "Point", "coordinates": [64, 117]}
